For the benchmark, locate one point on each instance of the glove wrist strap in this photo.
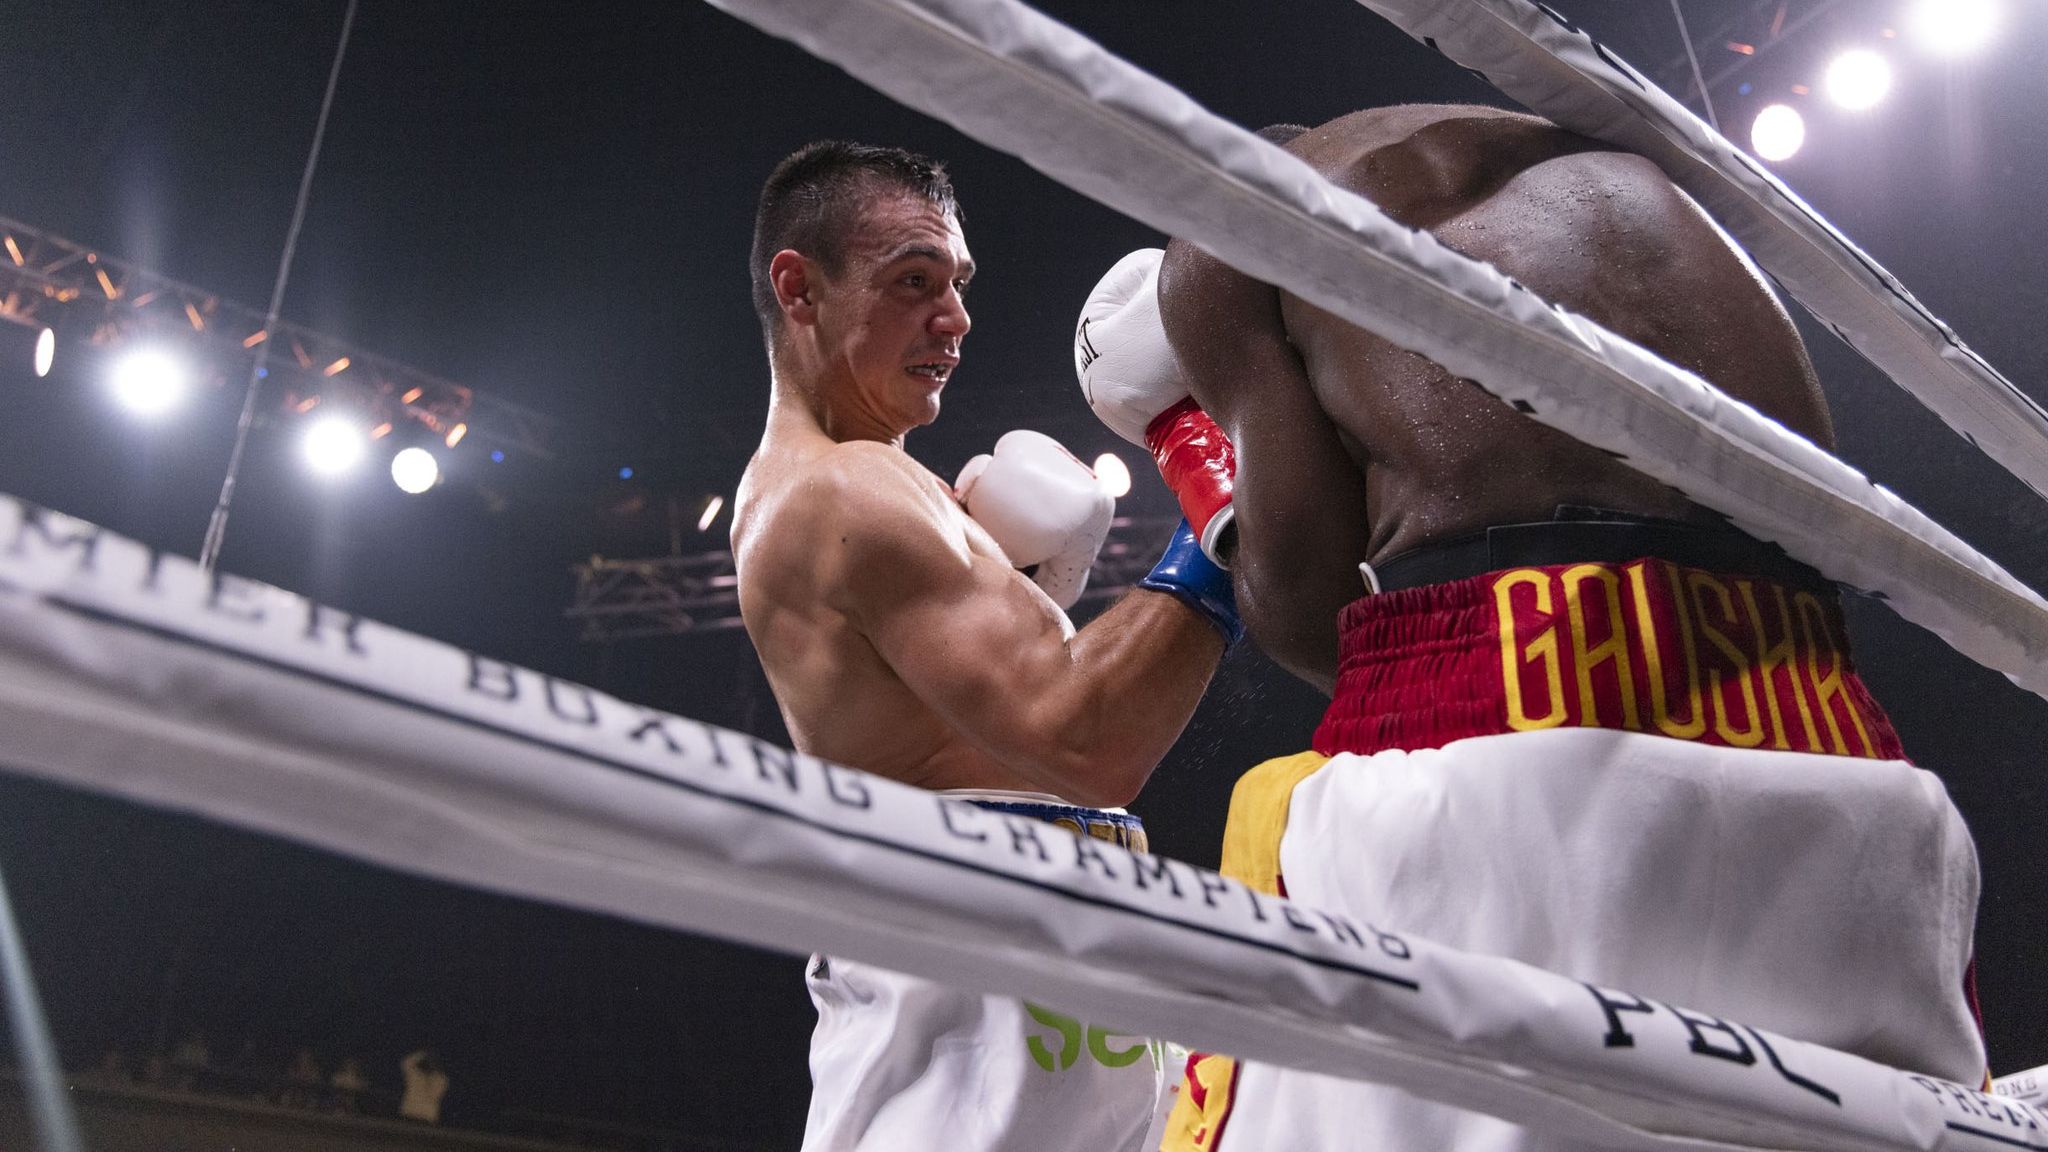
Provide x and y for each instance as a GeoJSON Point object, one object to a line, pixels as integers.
{"type": "Point", "coordinates": [1186, 572]}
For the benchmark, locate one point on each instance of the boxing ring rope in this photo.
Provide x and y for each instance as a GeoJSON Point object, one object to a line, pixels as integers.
{"type": "Point", "coordinates": [131, 673]}
{"type": "Point", "coordinates": [1559, 72]}
{"type": "Point", "coordinates": [1017, 80]}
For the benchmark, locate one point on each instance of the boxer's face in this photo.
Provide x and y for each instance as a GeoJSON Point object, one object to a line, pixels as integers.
{"type": "Point", "coordinates": [892, 322]}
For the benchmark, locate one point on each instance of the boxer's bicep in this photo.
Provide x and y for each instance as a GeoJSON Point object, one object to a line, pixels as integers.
{"type": "Point", "coordinates": [1301, 515]}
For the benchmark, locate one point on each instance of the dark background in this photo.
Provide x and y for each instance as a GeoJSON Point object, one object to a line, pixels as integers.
{"type": "Point", "coordinates": [551, 202]}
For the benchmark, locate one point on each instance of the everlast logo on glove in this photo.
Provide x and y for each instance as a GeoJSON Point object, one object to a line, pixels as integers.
{"type": "Point", "coordinates": [1083, 349]}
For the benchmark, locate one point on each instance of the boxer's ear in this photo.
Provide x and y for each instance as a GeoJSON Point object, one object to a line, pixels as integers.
{"type": "Point", "coordinates": [794, 279]}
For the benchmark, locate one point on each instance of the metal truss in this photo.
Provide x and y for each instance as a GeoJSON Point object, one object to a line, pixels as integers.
{"type": "Point", "coordinates": [662, 596]}
{"type": "Point", "coordinates": [677, 595]}
{"type": "Point", "coordinates": [1747, 34]}
{"type": "Point", "coordinates": [49, 281]}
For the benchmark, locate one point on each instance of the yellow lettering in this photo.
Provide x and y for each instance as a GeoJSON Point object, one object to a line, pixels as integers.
{"type": "Point", "coordinates": [1653, 656]}
{"type": "Point", "coordinates": [1614, 648]}
{"type": "Point", "coordinates": [1829, 688]}
{"type": "Point", "coordinates": [1779, 656]}
{"type": "Point", "coordinates": [1513, 655]}
{"type": "Point", "coordinates": [1701, 583]}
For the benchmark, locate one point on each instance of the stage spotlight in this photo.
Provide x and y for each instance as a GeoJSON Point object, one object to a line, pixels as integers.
{"type": "Point", "coordinates": [1111, 476]}
{"type": "Point", "coordinates": [1778, 132]}
{"type": "Point", "coordinates": [1858, 79]}
{"type": "Point", "coordinates": [150, 381]}
{"type": "Point", "coordinates": [26, 339]}
{"type": "Point", "coordinates": [333, 446]}
{"type": "Point", "coordinates": [1955, 27]}
{"type": "Point", "coordinates": [712, 508]}
{"type": "Point", "coordinates": [415, 470]}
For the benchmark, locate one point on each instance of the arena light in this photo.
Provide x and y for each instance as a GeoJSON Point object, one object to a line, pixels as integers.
{"type": "Point", "coordinates": [1954, 27]}
{"type": "Point", "coordinates": [333, 446]}
{"type": "Point", "coordinates": [1111, 476]}
{"type": "Point", "coordinates": [150, 381]}
{"type": "Point", "coordinates": [46, 352]}
{"type": "Point", "coordinates": [456, 434]}
{"type": "Point", "coordinates": [415, 470]}
{"type": "Point", "coordinates": [712, 508]}
{"type": "Point", "coordinates": [1778, 133]}
{"type": "Point", "coordinates": [1858, 79]}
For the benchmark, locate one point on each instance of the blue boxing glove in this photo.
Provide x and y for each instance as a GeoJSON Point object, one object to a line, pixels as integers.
{"type": "Point", "coordinates": [1184, 570]}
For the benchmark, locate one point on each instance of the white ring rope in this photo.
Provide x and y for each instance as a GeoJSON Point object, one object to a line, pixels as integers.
{"type": "Point", "coordinates": [1018, 81]}
{"type": "Point", "coordinates": [1558, 71]}
{"type": "Point", "coordinates": [139, 675]}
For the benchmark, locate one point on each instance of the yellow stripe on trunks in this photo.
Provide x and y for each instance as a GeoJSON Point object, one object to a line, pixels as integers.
{"type": "Point", "coordinates": [1251, 855]}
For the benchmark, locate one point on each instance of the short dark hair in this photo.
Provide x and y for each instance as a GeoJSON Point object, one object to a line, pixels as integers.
{"type": "Point", "coordinates": [1280, 133]}
{"type": "Point", "coordinates": [813, 200]}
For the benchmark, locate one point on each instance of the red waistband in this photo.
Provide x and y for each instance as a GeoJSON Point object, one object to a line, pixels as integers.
{"type": "Point", "coordinates": [1647, 646]}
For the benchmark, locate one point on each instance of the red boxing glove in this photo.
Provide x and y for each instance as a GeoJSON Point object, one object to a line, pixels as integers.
{"type": "Point", "coordinates": [1199, 463]}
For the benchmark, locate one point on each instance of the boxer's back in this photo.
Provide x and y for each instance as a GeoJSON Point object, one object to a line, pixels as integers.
{"type": "Point", "coordinates": [1416, 455]}
{"type": "Point", "coordinates": [1602, 233]}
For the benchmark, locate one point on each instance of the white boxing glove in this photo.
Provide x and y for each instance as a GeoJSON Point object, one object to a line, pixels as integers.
{"type": "Point", "coordinates": [1132, 380]}
{"type": "Point", "coordinates": [1126, 367]}
{"type": "Point", "coordinates": [1042, 506]}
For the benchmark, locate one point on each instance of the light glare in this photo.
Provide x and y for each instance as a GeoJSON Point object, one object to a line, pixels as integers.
{"type": "Point", "coordinates": [333, 446]}
{"type": "Point", "coordinates": [712, 508]}
{"type": "Point", "coordinates": [415, 470]}
{"type": "Point", "coordinates": [1111, 476]}
{"type": "Point", "coordinates": [1858, 79]}
{"type": "Point", "coordinates": [1955, 27]}
{"type": "Point", "coordinates": [150, 382]}
{"type": "Point", "coordinates": [1778, 133]}
{"type": "Point", "coordinates": [46, 352]}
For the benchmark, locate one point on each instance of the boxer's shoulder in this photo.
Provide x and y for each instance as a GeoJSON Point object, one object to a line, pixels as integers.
{"type": "Point", "coordinates": [841, 516]}
{"type": "Point", "coordinates": [819, 490]}
{"type": "Point", "coordinates": [1419, 162]}
{"type": "Point", "coordinates": [867, 491]}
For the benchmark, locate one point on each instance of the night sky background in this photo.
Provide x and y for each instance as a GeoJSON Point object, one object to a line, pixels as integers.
{"type": "Point", "coordinates": [551, 202]}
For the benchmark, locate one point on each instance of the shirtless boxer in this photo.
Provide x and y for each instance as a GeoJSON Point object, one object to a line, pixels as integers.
{"type": "Point", "coordinates": [901, 638]}
{"type": "Point", "coordinates": [1576, 719]}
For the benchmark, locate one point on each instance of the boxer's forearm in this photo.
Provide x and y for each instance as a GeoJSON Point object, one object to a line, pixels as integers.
{"type": "Point", "coordinates": [1134, 677]}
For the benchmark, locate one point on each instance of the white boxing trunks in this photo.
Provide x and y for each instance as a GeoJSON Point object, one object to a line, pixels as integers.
{"type": "Point", "coordinates": [1659, 780]}
{"type": "Point", "coordinates": [900, 1064]}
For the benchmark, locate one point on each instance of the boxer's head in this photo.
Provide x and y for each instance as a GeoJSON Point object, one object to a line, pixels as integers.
{"type": "Point", "coordinates": [817, 199]}
{"type": "Point", "coordinates": [858, 264]}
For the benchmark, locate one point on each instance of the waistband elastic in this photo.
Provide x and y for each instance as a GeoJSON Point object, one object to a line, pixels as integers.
{"type": "Point", "coordinates": [1733, 658]}
{"type": "Point", "coordinates": [1113, 825]}
{"type": "Point", "coordinates": [1580, 534]}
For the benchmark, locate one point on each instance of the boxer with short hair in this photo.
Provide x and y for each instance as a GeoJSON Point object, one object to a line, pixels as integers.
{"type": "Point", "coordinates": [918, 630]}
{"type": "Point", "coordinates": [1576, 720]}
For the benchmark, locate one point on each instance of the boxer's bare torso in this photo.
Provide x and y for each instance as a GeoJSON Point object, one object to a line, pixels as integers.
{"type": "Point", "coordinates": [1351, 449]}
{"type": "Point", "coordinates": [894, 631]}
